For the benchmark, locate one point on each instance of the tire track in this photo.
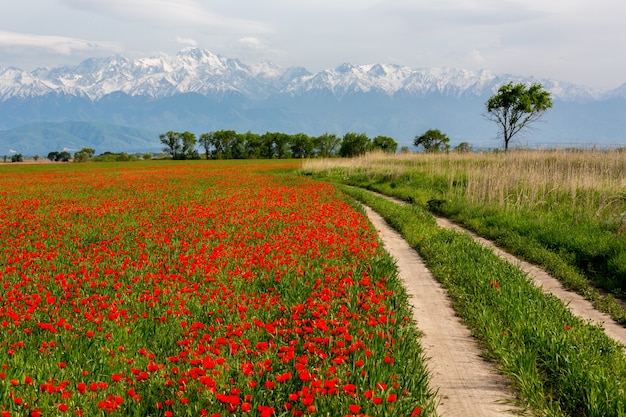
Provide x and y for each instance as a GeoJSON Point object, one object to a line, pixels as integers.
{"type": "Point", "coordinates": [466, 384]}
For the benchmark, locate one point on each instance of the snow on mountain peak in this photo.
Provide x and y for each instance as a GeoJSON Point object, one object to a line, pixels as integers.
{"type": "Point", "coordinates": [204, 72]}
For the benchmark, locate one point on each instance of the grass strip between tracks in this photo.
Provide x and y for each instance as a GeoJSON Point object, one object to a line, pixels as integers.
{"type": "Point", "coordinates": [560, 365]}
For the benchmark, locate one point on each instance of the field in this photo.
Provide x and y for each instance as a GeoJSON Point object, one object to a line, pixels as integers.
{"type": "Point", "coordinates": [563, 210]}
{"type": "Point", "coordinates": [525, 201]}
{"type": "Point", "coordinates": [197, 288]}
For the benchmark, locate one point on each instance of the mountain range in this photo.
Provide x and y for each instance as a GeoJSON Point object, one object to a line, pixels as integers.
{"type": "Point", "coordinates": [120, 104]}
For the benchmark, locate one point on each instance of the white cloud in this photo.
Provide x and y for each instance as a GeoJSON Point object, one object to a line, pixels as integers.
{"type": "Point", "coordinates": [250, 42]}
{"type": "Point", "coordinates": [52, 44]}
{"type": "Point", "coordinates": [186, 41]}
{"type": "Point", "coordinates": [167, 13]}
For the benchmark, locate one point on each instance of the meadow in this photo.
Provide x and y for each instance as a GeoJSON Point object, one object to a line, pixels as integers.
{"type": "Point", "coordinates": [165, 288]}
{"type": "Point", "coordinates": [559, 364]}
{"type": "Point", "coordinates": [562, 209]}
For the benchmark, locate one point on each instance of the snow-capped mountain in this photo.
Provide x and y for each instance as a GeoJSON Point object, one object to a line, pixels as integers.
{"type": "Point", "coordinates": [199, 91]}
{"type": "Point", "coordinates": [194, 70]}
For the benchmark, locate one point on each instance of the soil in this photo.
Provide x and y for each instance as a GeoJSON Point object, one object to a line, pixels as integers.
{"type": "Point", "coordinates": [467, 385]}
{"type": "Point", "coordinates": [577, 304]}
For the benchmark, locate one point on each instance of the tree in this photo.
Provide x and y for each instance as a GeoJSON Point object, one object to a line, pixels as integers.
{"type": "Point", "coordinates": [354, 144]}
{"type": "Point", "coordinates": [207, 140]}
{"type": "Point", "coordinates": [17, 158]}
{"type": "Point", "coordinates": [385, 144]}
{"type": "Point", "coordinates": [188, 148]}
{"type": "Point", "coordinates": [171, 140]}
{"type": "Point", "coordinates": [179, 145]}
{"type": "Point", "coordinates": [433, 140]}
{"type": "Point", "coordinates": [52, 156]}
{"type": "Point", "coordinates": [515, 106]}
{"type": "Point", "coordinates": [463, 147]}
{"type": "Point", "coordinates": [302, 146]}
{"type": "Point", "coordinates": [84, 155]}
{"type": "Point", "coordinates": [63, 156]}
{"type": "Point", "coordinates": [326, 145]}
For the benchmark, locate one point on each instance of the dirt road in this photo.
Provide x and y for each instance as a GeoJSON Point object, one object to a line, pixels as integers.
{"type": "Point", "coordinates": [467, 385]}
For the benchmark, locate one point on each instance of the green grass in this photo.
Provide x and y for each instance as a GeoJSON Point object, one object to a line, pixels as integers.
{"type": "Point", "coordinates": [559, 365]}
{"type": "Point", "coordinates": [574, 230]}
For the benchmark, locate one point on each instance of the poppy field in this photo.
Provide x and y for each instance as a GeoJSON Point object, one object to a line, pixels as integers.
{"type": "Point", "coordinates": [197, 288]}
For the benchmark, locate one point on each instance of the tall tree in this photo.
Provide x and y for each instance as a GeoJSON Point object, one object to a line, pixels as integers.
{"type": "Point", "coordinates": [515, 106]}
{"type": "Point", "coordinates": [385, 144]}
{"type": "Point", "coordinates": [301, 146]}
{"type": "Point", "coordinates": [206, 141]}
{"type": "Point", "coordinates": [188, 146]}
{"type": "Point", "coordinates": [433, 140]}
{"type": "Point", "coordinates": [354, 144]}
{"type": "Point", "coordinates": [172, 142]}
{"type": "Point", "coordinates": [327, 144]}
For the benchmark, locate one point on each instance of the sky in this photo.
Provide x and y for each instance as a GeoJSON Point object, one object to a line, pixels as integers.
{"type": "Point", "coordinates": [578, 41]}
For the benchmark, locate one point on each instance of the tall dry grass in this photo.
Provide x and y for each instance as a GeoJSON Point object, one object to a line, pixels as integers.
{"type": "Point", "coordinates": [589, 180]}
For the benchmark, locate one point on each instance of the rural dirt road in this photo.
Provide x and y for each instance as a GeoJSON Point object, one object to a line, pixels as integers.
{"type": "Point", "coordinates": [577, 304]}
{"type": "Point", "coordinates": [467, 385]}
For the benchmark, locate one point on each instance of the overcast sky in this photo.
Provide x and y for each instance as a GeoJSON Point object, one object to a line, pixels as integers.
{"type": "Point", "coordinates": [580, 41]}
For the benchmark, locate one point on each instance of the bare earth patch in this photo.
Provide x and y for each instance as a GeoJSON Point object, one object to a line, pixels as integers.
{"type": "Point", "coordinates": [467, 385]}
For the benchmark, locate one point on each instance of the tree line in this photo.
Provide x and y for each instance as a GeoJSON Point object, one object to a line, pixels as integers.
{"type": "Point", "coordinates": [228, 144]}
{"type": "Point", "coordinates": [513, 107]}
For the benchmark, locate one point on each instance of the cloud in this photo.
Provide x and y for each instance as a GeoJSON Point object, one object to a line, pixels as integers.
{"type": "Point", "coordinates": [167, 13]}
{"type": "Point", "coordinates": [186, 41]}
{"type": "Point", "coordinates": [53, 44]}
{"type": "Point", "coordinates": [251, 42]}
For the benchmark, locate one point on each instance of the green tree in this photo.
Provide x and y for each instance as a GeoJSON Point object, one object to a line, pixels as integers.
{"type": "Point", "coordinates": [84, 155]}
{"type": "Point", "coordinates": [281, 145]}
{"type": "Point", "coordinates": [515, 106]}
{"type": "Point", "coordinates": [252, 145]}
{"type": "Point", "coordinates": [385, 144]}
{"type": "Point", "coordinates": [326, 145]}
{"type": "Point", "coordinates": [63, 156]}
{"type": "Point", "coordinates": [433, 140]}
{"type": "Point", "coordinates": [179, 145]}
{"type": "Point", "coordinates": [17, 158]}
{"type": "Point", "coordinates": [52, 156]}
{"type": "Point", "coordinates": [172, 142]}
{"type": "Point", "coordinates": [354, 144]}
{"type": "Point", "coordinates": [206, 141]}
{"type": "Point", "coordinates": [463, 147]}
{"type": "Point", "coordinates": [188, 150]}
{"type": "Point", "coordinates": [302, 146]}
{"type": "Point", "coordinates": [222, 143]}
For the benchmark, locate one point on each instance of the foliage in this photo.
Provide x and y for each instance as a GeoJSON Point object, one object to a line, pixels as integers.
{"type": "Point", "coordinates": [17, 158]}
{"type": "Point", "coordinates": [179, 145]}
{"type": "Point", "coordinates": [433, 140]}
{"type": "Point", "coordinates": [385, 144]}
{"type": "Point", "coordinates": [114, 157]}
{"type": "Point", "coordinates": [326, 145]}
{"type": "Point", "coordinates": [84, 155]}
{"type": "Point", "coordinates": [354, 144]}
{"type": "Point", "coordinates": [560, 365]}
{"type": "Point", "coordinates": [235, 292]}
{"type": "Point", "coordinates": [62, 156]}
{"type": "Point", "coordinates": [516, 106]}
{"type": "Point", "coordinates": [463, 147]}
{"type": "Point", "coordinates": [562, 210]}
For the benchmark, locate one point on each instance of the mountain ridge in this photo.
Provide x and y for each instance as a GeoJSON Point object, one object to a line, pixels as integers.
{"type": "Point", "coordinates": [199, 91]}
{"type": "Point", "coordinates": [195, 70]}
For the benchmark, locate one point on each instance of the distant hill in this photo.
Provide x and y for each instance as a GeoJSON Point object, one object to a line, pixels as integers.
{"type": "Point", "coordinates": [199, 91]}
{"type": "Point", "coordinates": [42, 138]}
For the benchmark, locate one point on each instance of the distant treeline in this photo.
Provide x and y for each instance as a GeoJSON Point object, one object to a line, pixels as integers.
{"type": "Point", "coordinates": [228, 144]}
